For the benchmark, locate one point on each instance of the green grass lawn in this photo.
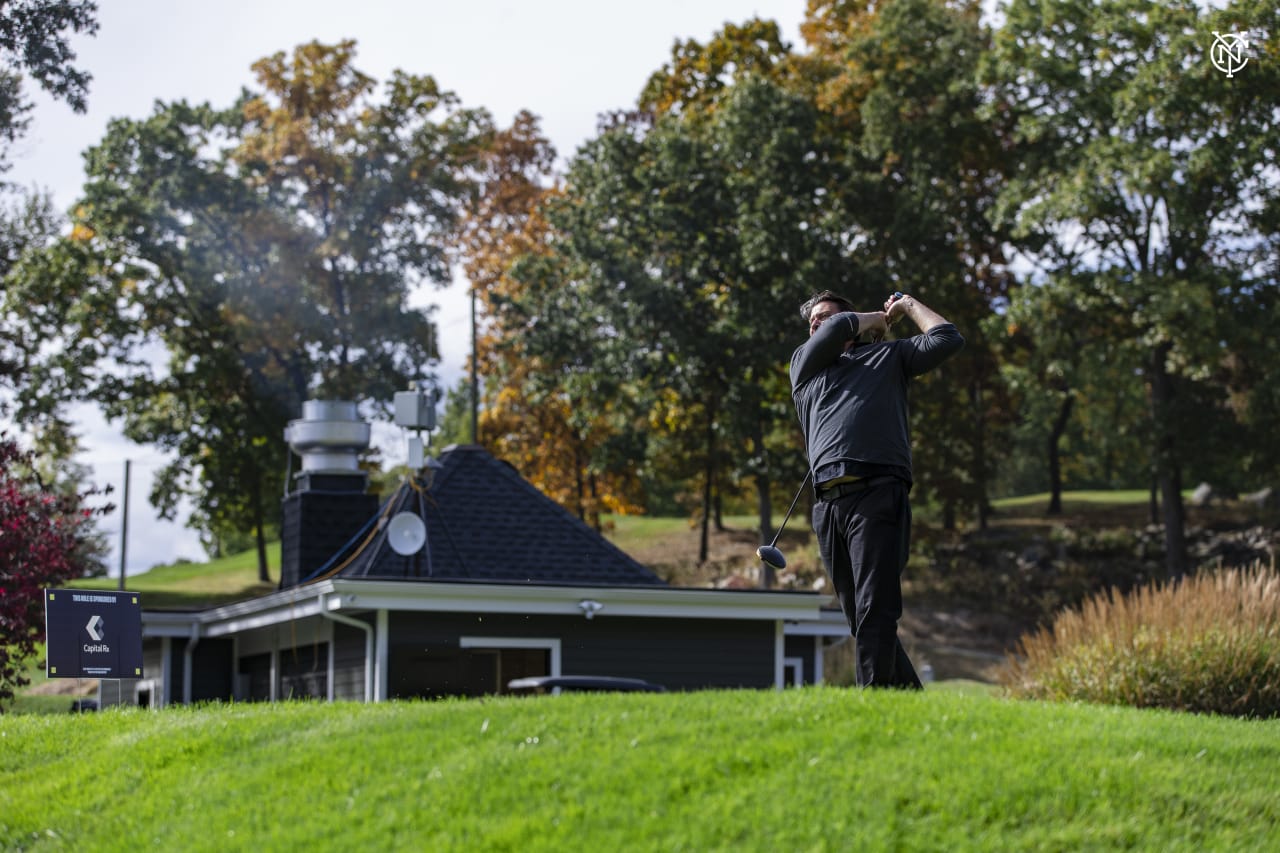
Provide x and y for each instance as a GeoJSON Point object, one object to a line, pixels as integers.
{"type": "Point", "coordinates": [806, 769]}
{"type": "Point", "coordinates": [194, 585]}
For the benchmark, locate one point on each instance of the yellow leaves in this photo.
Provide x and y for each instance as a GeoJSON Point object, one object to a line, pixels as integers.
{"type": "Point", "coordinates": [669, 414]}
{"type": "Point", "coordinates": [82, 233]}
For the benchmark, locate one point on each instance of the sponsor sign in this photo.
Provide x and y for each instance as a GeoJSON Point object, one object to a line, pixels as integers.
{"type": "Point", "coordinates": [93, 633]}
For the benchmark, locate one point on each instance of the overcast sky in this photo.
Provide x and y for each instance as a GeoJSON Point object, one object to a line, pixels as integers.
{"type": "Point", "coordinates": [567, 61]}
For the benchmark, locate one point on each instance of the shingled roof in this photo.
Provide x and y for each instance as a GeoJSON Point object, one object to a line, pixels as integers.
{"type": "Point", "coordinates": [486, 522]}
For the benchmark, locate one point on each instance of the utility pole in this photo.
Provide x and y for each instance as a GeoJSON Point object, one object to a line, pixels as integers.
{"type": "Point", "coordinates": [475, 385]}
{"type": "Point", "coordinates": [124, 523]}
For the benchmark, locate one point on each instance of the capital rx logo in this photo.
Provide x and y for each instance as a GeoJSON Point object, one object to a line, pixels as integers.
{"type": "Point", "coordinates": [1227, 53]}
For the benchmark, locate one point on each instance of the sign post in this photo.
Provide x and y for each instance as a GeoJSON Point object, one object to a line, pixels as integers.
{"type": "Point", "coordinates": [93, 633]}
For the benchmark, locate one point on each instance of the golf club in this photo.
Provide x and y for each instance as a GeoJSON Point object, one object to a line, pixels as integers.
{"type": "Point", "coordinates": [770, 554]}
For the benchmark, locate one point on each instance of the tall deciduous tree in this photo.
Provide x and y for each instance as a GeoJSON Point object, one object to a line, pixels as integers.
{"type": "Point", "coordinates": [897, 85]}
{"type": "Point", "coordinates": [685, 240]}
{"type": "Point", "coordinates": [1141, 161]}
{"type": "Point", "coordinates": [267, 251]}
{"type": "Point", "coordinates": [529, 418]}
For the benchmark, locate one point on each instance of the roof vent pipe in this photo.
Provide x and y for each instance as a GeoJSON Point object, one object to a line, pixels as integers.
{"type": "Point", "coordinates": [329, 437]}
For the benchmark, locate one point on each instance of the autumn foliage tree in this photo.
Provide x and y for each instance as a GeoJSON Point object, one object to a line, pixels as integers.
{"type": "Point", "coordinates": [529, 417]}
{"type": "Point", "coordinates": [41, 545]}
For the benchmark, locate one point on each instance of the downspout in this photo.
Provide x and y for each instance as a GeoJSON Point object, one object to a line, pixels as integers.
{"type": "Point", "coordinates": [166, 672]}
{"type": "Point", "coordinates": [368, 647]}
{"type": "Point", "coordinates": [380, 684]}
{"type": "Point", "coordinates": [188, 655]}
{"type": "Point", "coordinates": [779, 653]}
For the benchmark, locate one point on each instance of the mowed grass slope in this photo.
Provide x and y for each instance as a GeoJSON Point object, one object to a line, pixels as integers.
{"type": "Point", "coordinates": [803, 769]}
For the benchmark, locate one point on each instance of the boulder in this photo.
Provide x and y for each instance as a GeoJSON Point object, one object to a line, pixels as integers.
{"type": "Point", "coordinates": [1262, 499]}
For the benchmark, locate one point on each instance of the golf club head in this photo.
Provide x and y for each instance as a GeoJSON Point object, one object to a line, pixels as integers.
{"type": "Point", "coordinates": [772, 556]}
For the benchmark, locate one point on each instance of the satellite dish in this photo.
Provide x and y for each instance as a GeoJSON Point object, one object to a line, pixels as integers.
{"type": "Point", "coordinates": [406, 533]}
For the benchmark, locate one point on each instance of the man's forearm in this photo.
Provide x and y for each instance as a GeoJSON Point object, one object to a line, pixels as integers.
{"type": "Point", "coordinates": [922, 315]}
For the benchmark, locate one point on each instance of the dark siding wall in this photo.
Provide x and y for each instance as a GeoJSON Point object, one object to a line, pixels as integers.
{"type": "Point", "coordinates": [153, 669]}
{"type": "Point", "coordinates": [213, 665]}
{"type": "Point", "coordinates": [212, 670]}
{"type": "Point", "coordinates": [682, 654]}
{"type": "Point", "coordinates": [348, 662]}
{"type": "Point", "coordinates": [153, 659]}
{"type": "Point", "coordinates": [304, 672]}
{"type": "Point", "coordinates": [802, 647]}
{"type": "Point", "coordinates": [256, 670]}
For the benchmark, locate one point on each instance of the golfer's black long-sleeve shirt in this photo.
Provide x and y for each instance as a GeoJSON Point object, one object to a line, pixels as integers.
{"type": "Point", "coordinates": [853, 405]}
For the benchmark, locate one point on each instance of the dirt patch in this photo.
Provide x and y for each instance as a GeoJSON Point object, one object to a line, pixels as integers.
{"type": "Point", "coordinates": [73, 687]}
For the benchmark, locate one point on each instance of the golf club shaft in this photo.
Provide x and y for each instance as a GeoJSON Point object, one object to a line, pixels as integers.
{"type": "Point", "coordinates": [794, 501]}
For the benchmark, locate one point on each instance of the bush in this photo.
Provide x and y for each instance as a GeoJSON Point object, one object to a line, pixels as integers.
{"type": "Point", "coordinates": [1210, 643]}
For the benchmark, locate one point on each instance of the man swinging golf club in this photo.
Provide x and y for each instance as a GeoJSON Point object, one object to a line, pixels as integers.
{"type": "Point", "coordinates": [850, 390]}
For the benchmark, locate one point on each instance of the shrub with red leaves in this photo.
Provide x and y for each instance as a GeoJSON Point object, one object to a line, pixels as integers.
{"type": "Point", "coordinates": [39, 533]}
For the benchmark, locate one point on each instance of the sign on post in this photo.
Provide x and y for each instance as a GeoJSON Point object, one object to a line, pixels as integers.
{"type": "Point", "coordinates": [93, 633]}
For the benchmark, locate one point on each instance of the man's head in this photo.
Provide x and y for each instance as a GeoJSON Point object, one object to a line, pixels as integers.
{"type": "Point", "coordinates": [817, 308]}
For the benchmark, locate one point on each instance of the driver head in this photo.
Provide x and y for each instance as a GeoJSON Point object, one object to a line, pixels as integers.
{"type": "Point", "coordinates": [772, 556]}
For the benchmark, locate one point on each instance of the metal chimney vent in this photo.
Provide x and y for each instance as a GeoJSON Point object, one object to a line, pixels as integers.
{"type": "Point", "coordinates": [329, 437]}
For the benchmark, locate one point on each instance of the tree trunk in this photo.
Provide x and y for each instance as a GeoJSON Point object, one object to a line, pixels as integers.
{"type": "Point", "coordinates": [1055, 457]}
{"type": "Point", "coordinates": [579, 486]}
{"type": "Point", "coordinates": [979, 451]}
{"type": "Point", "coordinates": [1153, 503]}
{"type": "Point", "coordinates": [259, 522]}
{"type": "Point", "coordinates": [1168, 471]}
{"type": "Point", "coordinates": [709, 475]}
{"type": "Point", "coordinates": [764, 500]}
{"type": "Point", "coordinates": [704, 538]}
{"type": "Point", "coordinates": [593, 485]}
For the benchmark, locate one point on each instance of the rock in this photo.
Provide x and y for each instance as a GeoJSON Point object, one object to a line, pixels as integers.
{"type": "Point", "coordinates": [1261, 499]}
{"type": "Point", "coordinates": [1206, 494]}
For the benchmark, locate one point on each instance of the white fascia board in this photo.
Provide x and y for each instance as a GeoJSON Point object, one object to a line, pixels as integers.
{"type": "Point", "coordinates": [284, 606]}
{"type": "Point", "coordinates": [424, 596]}
{"type": "Point", "coordinates": [821, 628]}
{"type": "Point", "coordinates": [167, 623]}
{"type": "Point", "coordinates": [568, 600]}
{"type": "Point", "coordinates": [267, 610]}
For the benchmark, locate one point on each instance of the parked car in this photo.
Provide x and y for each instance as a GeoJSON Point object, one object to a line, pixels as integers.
{"type": "Point", "coordinates": [582, 683]}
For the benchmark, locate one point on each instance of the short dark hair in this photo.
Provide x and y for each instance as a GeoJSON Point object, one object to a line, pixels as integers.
{"type": "Point", "coordinates": [824, 296]}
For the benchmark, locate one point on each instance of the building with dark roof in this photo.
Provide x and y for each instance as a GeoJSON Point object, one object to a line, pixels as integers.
{"type": "Point", "coordinates": [464, 579]}
{"type": "Point", "coordinates": [483, 521]}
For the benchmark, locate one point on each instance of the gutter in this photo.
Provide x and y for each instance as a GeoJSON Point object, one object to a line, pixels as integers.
{"type": "Point", "coordinates": [368, 646]}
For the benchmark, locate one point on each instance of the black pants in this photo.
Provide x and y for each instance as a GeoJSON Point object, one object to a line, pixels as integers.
{"type": "Point", "coordinates": [864, 540]}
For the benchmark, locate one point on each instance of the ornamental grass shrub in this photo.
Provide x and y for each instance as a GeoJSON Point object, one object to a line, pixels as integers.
{"type": "Point", "coordinates": [1209, 643]}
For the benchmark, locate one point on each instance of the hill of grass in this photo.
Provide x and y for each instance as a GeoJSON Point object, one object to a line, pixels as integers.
{"type": "Point", "coordinates": [802, 769]}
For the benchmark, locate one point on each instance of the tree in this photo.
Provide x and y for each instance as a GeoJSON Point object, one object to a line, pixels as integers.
{"type": "Point", "coordinates": [268, 250]}
{"type": "Point", "coordinates": [526, 418]}
{"type": "Point", "coordinates": [1141, 162]}
{"type": "Point", "coordinates": [1065, 364]}
{"type": "Point", "coordinates": [26, 225]}
{"type": "Point", "coordinates": [681, 238]}
{"type": "Point", "coordinates": [41, 545]}
{"type": "Point", "coordinates": [897, 86]}
{"type": "Point", "coordinates": [33, 39]}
